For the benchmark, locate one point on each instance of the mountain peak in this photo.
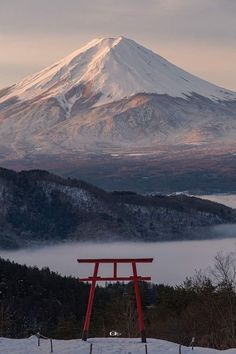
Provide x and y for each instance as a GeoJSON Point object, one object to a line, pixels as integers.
{"type": "Point", "coordinates": [112, 91]}
{"type": "Point", "coordinates": [103, 43]}
{"type": "Point", "coordinates": [108, 40]}
{"type": "Point", "coordinates": [114, 68]}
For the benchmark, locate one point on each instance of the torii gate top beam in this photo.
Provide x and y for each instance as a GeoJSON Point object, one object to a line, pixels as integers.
{"type": "Point", "coordinates": [116, 260]}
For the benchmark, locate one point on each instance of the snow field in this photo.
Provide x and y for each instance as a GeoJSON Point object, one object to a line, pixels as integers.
{"type": "Point", "coordinates": [100, 346]}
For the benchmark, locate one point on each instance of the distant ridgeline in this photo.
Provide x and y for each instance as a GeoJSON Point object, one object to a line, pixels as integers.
{"type": "Point", "coordinates": [33, 300]}
{"type": "Point", "coordinates": [38, 207]}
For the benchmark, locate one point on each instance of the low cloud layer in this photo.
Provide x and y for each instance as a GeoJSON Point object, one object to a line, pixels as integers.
{"type": "Point", "coordinates": [186, 257]}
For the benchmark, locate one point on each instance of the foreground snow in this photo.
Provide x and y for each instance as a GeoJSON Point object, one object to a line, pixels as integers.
{"type": "Point", "coordinates": [100, 346]}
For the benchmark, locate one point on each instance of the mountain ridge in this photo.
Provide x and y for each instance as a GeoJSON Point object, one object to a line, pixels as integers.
{"type": "Point", "coordinates": [37, 207]}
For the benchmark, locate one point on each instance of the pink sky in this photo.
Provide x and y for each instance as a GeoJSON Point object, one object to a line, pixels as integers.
{"type": "Point", "coordinates": [197, 35]}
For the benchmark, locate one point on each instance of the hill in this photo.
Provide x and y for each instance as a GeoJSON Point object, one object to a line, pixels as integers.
{"type": "Point", "coordinates": [38, 207]}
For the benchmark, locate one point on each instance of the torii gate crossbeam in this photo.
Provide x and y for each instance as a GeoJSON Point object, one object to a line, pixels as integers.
{"type": "Point", "coordinates": [135, 278]}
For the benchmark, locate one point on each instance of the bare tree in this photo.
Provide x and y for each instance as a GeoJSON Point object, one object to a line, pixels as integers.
{"type": "Point", "coordinates": [224, 270]}
{"type": "Point", "coordinates": [224, 275]}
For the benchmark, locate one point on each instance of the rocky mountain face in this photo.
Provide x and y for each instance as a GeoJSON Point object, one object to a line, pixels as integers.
{"type": "Point", "coordinates": [37, 207]}
{"type": "Point", "coordinates": [112, 94]}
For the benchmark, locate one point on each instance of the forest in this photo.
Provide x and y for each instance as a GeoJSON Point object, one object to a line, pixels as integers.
{"type": "Point", "coordinates": [38, 208]}
{"type": "Point", "coordinates": [204, 306]}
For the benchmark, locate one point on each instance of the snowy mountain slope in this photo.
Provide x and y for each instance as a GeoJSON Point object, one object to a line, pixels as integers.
{"type": "Point", "coordinates": [112, 92]}
{"type": "Point", "coordinates": [115, 68]}
{"type": "Point", "coordinates": [100, 345]}
{"type": "Point", "coordinates": [146, 120]}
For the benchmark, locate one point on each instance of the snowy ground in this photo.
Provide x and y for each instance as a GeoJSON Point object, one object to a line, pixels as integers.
{"type": "Point", "coordinates": [100, 346]}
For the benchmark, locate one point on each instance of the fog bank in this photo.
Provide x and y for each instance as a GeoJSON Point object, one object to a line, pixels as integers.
{"type": "Point", "coordinates": [173, 261]}
{"type": "Point", "coordinates": [226, 199]}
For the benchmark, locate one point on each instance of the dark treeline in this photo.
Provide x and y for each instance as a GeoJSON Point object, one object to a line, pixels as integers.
{"type": "Point", "coordinates": [33, 300]}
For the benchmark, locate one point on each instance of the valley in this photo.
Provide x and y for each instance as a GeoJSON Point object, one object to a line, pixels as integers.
{"type": "Point", "coordinates": [195, 169]}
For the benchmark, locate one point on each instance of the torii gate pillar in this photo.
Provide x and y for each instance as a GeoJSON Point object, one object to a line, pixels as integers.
{"type": "Point", "coordinates": [135, 278]}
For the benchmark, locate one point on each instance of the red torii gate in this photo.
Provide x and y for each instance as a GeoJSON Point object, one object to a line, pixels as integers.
{"type": "Point", "coordinates": [135, 278]}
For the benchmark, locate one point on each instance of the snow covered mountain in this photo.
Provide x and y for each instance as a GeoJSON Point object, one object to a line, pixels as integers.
{"type": "Point", "coordinates": [112, 92]}
{"type": "Point", "coordinates": [114, 68]}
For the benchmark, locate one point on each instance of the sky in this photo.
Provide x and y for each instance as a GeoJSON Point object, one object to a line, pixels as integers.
{"type": "Point", "coordinates": [197, 35]}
